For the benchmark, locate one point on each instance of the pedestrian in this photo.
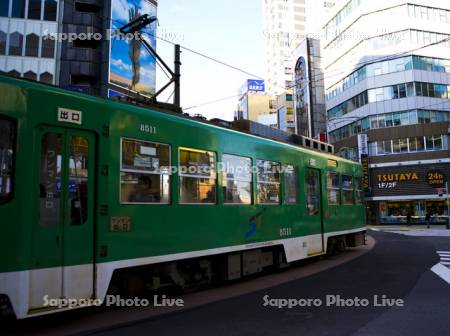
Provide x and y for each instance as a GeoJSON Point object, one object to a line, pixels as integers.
{"type": "Point", "coordinates": [427, 219]}
{"type": "Point", "coordinates": [408, 218]}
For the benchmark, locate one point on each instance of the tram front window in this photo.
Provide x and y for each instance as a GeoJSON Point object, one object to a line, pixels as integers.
{"type": "Point", "coordinates": [7, 153]}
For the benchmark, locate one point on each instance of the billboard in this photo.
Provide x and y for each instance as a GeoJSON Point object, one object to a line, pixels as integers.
{"type": "Point", "coordinates": [256, 85]}
{"type": "Point", "coordinates": [131, 66]}
{"type": "Point", "coordinates": [252, 85]}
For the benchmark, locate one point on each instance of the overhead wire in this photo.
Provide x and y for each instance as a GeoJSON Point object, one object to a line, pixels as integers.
{"type": "Point", "coordinates": [213, 59]}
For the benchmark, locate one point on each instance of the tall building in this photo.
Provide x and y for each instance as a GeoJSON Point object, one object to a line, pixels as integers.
{"type": "Point", "coordinates": [24, 49]}
{"type": "Point", "coordinates": [286, 24]}
{"type": "Point", "coordinates": [68, 43]}
{"type": "Point", "coordinates": [387, 80]}
{"type": "Point", "coordinates": [309, 94]}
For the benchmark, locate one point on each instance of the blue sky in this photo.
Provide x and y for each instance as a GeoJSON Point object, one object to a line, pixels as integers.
{"type": "Point", "coordinates": [228, 30]}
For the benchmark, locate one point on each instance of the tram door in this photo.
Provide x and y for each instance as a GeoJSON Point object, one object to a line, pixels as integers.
{"type": "Point", "coordinates": [314, 211]}
{"type": "Point", "coordinates": [63, 235]}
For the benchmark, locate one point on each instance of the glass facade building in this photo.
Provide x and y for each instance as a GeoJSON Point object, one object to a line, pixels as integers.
{"type": "Point", "coordinates": [27, 43]}
{"type": "Point", "coordinates": [387, 85]}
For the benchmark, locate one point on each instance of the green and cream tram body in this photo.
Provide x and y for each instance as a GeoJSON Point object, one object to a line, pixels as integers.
{"type": "Point", "coordinates": [92, 190]}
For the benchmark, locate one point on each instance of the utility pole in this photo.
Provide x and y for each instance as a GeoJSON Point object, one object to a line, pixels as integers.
{"type": "Point", "coordinates": [176, 76]}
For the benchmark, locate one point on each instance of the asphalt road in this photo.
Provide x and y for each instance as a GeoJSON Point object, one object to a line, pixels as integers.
{"type": "Point", "coordinates": [398, 267]}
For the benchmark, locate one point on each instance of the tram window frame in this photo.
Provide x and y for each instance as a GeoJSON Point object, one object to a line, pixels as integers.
{"type": "Point", "coordinates": [213, 176]}
{"type": "Point", "coordinates": [138, 172]}
{"type": "Point", "coordinates": [13, 142]}
{"type": "Point", "coordinates": [317, 205]}
{"type": "Point", "coordinates": [260, 182]}
{"type": "Point", "coordinates": [347, 190]}
{"type": "Point", "coordinates": [238, 179]}
{"type": "Point", "coordinates": [331, 187]}
{"type": "Point", "coordinates": [293, 171]}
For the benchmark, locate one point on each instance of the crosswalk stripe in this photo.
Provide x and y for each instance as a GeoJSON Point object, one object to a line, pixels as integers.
{"type": "Point", "coordinates": [445, 263]}
{"type": "Point", "coordinates": [445, 259]}
{"type": "Point", "coordinates": [442, 271]}
{"type": "Point", "coordinates": [443, 252]}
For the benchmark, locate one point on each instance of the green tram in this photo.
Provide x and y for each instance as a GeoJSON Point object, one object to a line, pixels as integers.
{"type": "Point", "coordinates": [95, 192]}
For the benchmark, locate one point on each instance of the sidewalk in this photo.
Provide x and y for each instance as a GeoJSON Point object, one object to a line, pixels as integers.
{"type": "Point", "coordinates": [413, 230]}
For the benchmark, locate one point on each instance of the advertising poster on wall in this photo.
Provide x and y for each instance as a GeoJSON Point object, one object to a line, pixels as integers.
{"type": "Point", "coordinates": [131, 66]}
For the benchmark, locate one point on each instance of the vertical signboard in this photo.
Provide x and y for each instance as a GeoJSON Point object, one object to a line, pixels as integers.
{"type": "Point", "coordinates": [132, 67]}
{"type": "Point", "coordinates": [366, 174]}
{"type": "Point", "coordinates": [363, 145]}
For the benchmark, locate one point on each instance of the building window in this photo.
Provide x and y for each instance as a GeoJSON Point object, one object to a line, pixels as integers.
{"type": "Point", "coordinates": [46, 77]}
{"type": "Point", "coordinates": [348, 196]}
{"type": "Point", "coordinates": [145, 172]}
{"type": "Point", "coordinates": [394, 119]}
{"type": "Point", "coordinates": [18, 9]}
{"type": "Point", "coordinates": [391, 66]}
{"type": "Point", "coordinates": [4, 8]}
{"type": "Point", "coordinates": [433, 143]}
{"type": "Point", "coordinates": [32, 45]}
{"type": "Point", "coordinates": [197, 173]}
{"type": "Point", "coordinates": [14, 73]}
{"type": "Point", "coordinates": [15, 44]}
{"type": "Point", "coordinates": [34, 9]}
{"type": "Point", "coordinates": [290, 184]}
{"type": "Point", "coordinates": [50, 9]}
{"type": "Point", "coordinates": [237, 179]}
{"type": "Point", "coordinates": [30, 75]}
{"type": "Point", "coordinates": [7, 154]}
{"type": "Point", "coordinates": [268, 182]}
{"type": "Point", "coordinates": [416, 144]}
{"type": "Point", "coordinates": [407, 145]}
{"type": "Point", "coordinates": [333, 188]}
{"type": "Point", "coordinates": [48, 47]}
{"type": "Point", "coordinates": [2, 43]}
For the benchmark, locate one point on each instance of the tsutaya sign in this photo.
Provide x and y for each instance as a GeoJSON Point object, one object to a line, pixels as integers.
{"type": "Point", "coordinates": [389, 181]}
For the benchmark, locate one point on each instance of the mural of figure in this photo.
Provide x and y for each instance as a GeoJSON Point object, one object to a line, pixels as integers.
{"type": "Point", "coordinates": [135, 52]}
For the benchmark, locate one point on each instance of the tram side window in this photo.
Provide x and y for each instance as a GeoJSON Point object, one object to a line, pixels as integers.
{"type": "Point", "coordinates": [348, 196]}
{"type": "Point", "coordinates": [50, 179]}
{"type": "Point", "coordinates": [290, 184]}
{"type": "Point", "coordinates": [268, 182]}
{"type": "Point", "coordinates": [237, 179]}
{"type": "Point", "coordinates": [312, 192]}
{"type": "Point", "coordinates": [197, 173]}
{"type": "Point", "coordinates": [359, 195]}
{"type": "Point", "coordinates": [145, 172]}
{"type": "Point", "coordinates": [7, 154]}
{"type": "Point", "coordinates": [333, 189]}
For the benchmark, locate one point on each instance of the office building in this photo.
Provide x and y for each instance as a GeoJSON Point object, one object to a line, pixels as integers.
{"type": "Point", "coordinates": [387, 80]}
